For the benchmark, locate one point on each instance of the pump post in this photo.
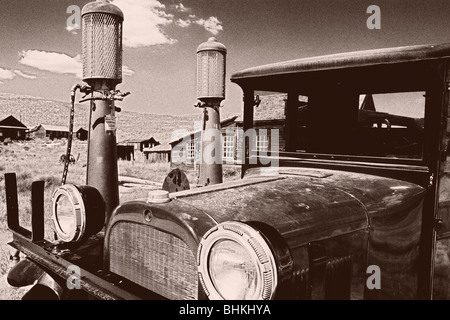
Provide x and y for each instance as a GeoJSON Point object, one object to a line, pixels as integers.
{"type": "Point", "coordinates": [102, 70]}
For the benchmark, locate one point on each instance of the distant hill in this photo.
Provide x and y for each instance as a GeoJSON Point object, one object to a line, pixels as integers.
{"type": "Point", "coordinates": [32, 111]}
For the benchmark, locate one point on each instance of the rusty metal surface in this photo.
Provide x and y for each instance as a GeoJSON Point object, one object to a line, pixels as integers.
{"type": "Point", "coordinates": [304, 207]}
{"type": "Point", "coordinates": [377, 194]}
{"type": "Point", "coordinates": [441, 290]}
{"type": "Point", "coordinates": [176, 181]}
{"type": "Point", "coordinates": [102, 6]}
{"type": "Point", "coordinates": [347, 60]}
{"type": "Point", "coordinates": [165, 216]}
{"type": "Point", "coordinates": [102, 172]}
{"type": "Point", "coordinates": [394, 209]}
{"type": "Point", "coordinates": [443, 230]}
{"type": "Point", "coordinates": [211, 164]}
{"type": "Point", "coordinates": [394, 246]}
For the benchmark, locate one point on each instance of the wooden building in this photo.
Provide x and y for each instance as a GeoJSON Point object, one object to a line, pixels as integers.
{"type": "Point", "coordinates": [189, 147]}
{"type": "Point", "coordinates": [48, 131]}
{"type": "Point", "coordinates": [160, 153]}
{"type": "Point", "coordinates": [269, 134]}
{"type": "Point", "coordinates": [12, 128]}
{"type": "Point", "coordinates": [125, 152]}
{"type": "Point", "coordinates": [139, 144]}
{"type": "Point", "coordinates": [81, 134]}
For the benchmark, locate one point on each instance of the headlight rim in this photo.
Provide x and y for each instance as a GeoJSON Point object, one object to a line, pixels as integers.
{"type": "Point", "coordinates": [255, 245]}
{"type": "Point", "coordinates": [78, 209]}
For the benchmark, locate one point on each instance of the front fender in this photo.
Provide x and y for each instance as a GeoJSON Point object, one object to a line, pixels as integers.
{"type": "Point", "coordinates": [24, 273]}
{"type": "Point", "coordinates": [27, 273]}
{"type": "Point", "coordinates": [46, 288]}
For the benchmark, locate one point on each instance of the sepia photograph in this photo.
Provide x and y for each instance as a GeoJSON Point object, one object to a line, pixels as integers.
{"type": "Point", "coordinates": [240, 151]}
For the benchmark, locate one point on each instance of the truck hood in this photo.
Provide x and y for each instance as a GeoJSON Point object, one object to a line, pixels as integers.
{"type": "Point", "coordinates": [306, 204]}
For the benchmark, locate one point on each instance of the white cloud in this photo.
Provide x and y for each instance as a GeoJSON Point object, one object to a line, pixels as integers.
{"type": "Point", "coordinates": [126, 71]}
{"type": "Point", "coordinates": [144, 22]}
{"type": "Point", "coordinates": [6, 74]}
{"type": "Point", "coordinates": [180, 7]}
{"type": "Point", "coordinates": [73, 29]}
{"type": "Point", "coordinates": [52, 61]}
{"type": "Point", "coordinates": [56, 63]}
{"type": "Point", "coordinates": [212, 24]}
{"type": "Point", "coordinates": [183, 23]}
{"type": "Point", "coordinates": [25, 75]}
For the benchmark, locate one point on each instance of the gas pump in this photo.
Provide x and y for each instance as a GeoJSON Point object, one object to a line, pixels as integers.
{"type": "Point", "coordinates": [211, 69]}
{"type": "Point", "coordinates": [80, 211]}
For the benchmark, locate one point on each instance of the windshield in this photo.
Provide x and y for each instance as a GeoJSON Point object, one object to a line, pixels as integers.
{"type": "Point", "coordinates": [350, 123]}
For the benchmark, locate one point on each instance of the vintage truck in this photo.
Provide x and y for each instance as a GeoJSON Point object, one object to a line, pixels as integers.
{"type": "Point", "coordinates": [362, 180]}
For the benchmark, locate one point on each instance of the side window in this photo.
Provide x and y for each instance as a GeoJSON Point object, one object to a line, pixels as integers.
{"type": "Point", "coordinates": [190, 149]}
{"type": "Point", "coordinates": [197, 150]}
{"type": "Point", "coordinates": [386, 125]}
{"type": "Point", "coordinates": [262, 142]}
{"type": "Point", "coordinates": [228, 147]}
{"type": "Point", "coordinates": [391, 124]}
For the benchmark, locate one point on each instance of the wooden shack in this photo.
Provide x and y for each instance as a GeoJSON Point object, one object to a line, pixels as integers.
{"type": "Point", "coordinates": [160, 153]}
{"type": "Point", "coordinates": [12, 128]}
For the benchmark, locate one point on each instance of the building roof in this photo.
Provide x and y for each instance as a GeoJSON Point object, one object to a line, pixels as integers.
{"type": "Point", "coordinates": [163, 147]}
{"type": "Point", "coordinates": [346, 60]}
{"type": "Point", "coordinates": [49, 127]}
{"type": "Point", "coordinates": [139, 140]}
{"type": "Point", "coordinates": [223, 123]}
{"type": "Point", "coordinates": [11, 122]}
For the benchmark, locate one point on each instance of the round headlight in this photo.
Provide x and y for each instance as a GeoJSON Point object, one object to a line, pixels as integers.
{"type": "Point", "coordinates": [233, 271]}
{"type": "Point", "coordinates": [236, 263]}
{"type": "Point", "coordinates": [77, 212]}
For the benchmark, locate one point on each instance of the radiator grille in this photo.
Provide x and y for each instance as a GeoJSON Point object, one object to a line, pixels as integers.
{"type": "Point", "coordinates": [338, 278]}
{"type": "Point", "coordinates": [153, 259]}
{"type": "Point", "coordinates": [301, 285]}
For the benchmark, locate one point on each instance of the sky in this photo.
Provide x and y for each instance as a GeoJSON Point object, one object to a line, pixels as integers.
{"type": "Point", "coordinates": [40, 55]}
